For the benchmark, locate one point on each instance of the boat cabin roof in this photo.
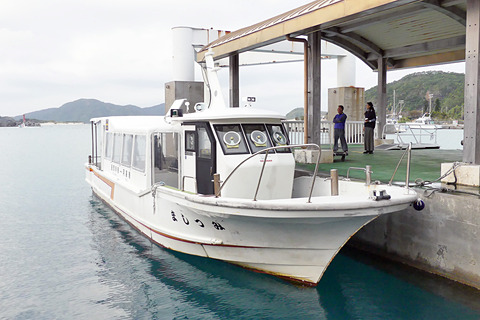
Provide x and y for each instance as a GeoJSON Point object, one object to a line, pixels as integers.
{"type": "Point", "coordinates": [148, 124]}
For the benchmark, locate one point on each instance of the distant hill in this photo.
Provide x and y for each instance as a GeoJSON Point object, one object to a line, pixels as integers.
{"type": "Point", "coordinates": [297, 114]}
{"type": "Point", "coordinates": [7, 122]}
{"type": "Point", "coordinates": [83, 110]}
{"type": "Point", "coordinates": [447, 89]}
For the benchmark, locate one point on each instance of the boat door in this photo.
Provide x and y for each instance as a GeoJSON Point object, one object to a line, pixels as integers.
{"type": "Point", "coordinates": [205, 154]}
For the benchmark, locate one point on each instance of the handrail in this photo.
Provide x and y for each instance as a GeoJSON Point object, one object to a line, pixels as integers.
{"type": "Point", "coordinates": [408, 152]}
{"type": "Point", "coordinates": [409, 158]}
{"type": "Point", "coordinates": [190, 177]}
{"type": "Point", "coordinates": [266, 150]}
{"type": "Point", "coordinates": [368, 173]}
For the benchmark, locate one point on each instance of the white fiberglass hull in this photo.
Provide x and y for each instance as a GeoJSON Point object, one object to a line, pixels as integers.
{"type": "Point", "coordinates": [289, 238]}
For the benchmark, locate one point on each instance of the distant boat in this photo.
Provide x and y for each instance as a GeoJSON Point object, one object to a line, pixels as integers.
{"type": "Point", "coordinates": [393, 126]}
{"type": "Point", "coordinates": [424, 122]}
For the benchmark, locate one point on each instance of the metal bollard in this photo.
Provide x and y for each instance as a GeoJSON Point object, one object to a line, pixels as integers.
{"type": "Point", "coordinates": [334, 181]}
{"type": "Point", "coordinates": [368, 175]}
{"type": "Point", "coordinates": [216, 184]}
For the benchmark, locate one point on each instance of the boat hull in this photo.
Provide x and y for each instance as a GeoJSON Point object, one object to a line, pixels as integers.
{"type": "Point", "coordinates": [291, 239]}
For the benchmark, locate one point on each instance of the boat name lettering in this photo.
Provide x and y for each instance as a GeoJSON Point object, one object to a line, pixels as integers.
{"type": "Point", "coordinates": [217, 226]}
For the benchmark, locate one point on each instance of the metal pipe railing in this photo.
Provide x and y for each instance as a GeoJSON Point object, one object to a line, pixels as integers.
{"type": "Point", "coordinates": [407, 152]}
{"type": "Point", "coordinates": [368, 173]}
{"type": "Point", "coordinates": [409, 158]}
{"type": "Point", "coordinates": [353, 131]}
{"type": "Point", "coordinates": [266, 151]}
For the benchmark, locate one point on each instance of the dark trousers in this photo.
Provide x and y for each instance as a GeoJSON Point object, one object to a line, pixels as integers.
{"type": "Point", "coordinates": [339, 134]}
{"type": "Point", "coordinates": [369, 145]}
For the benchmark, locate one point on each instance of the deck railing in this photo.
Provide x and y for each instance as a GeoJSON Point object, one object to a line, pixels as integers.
{"type": "Point", "coordinates": [353, 132]}
{"type": "Point", "coordinates": [266, 151]}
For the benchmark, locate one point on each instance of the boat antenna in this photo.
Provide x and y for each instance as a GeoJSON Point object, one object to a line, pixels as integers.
{"type": "Point", "coordinates": [211, 77]}
{"type": "Point", "coordinates": [204, 74]}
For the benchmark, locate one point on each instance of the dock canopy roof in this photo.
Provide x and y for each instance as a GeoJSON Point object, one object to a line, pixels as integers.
{"type": "Point", "coordinates": [408, 33]}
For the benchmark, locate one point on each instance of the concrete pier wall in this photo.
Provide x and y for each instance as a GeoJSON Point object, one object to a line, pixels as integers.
{"type": "Point", "coordinates": [443, 239]}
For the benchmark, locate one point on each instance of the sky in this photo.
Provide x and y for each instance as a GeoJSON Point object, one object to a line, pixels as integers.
{"type": "Point", "coordinates": [120, 51]}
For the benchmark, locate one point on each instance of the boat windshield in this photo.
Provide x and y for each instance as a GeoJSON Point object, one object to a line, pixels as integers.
{"type": "Point", "coordinates": [231, 139]}
{"type": "Point", "coordinates": [279, 138]}
{"type": "Point", "coordinates": [251, 138]}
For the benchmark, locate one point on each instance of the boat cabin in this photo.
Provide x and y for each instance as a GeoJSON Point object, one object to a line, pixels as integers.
{"type": "Point", "coordinates": [185, 151]}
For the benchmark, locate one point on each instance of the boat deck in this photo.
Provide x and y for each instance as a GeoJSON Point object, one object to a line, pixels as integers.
{"type": "Point", "coordinates": [425, 163]}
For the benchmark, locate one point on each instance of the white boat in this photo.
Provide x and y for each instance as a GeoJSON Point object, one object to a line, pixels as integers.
{"type": "Point", "coordinates": [424, 122]}
{"type": "Point", "coordinates": [157, 173]}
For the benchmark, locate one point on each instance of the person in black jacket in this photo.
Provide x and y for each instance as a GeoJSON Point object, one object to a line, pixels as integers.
{"type": "Point", "coordinates": [369, 126]}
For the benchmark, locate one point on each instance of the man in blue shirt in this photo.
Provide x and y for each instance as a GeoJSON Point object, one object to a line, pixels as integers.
{"type": "Point", "coordinates": [339, 130]}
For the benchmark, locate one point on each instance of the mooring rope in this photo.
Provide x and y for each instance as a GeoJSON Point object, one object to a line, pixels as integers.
{"type": "Point", "coordinates": [421, 183]}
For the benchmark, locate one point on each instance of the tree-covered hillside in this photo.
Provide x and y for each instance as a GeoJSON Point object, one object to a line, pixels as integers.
{"type": "Point", "coordinates": [447, 89]}
{"type": "Point", "coordinates": [83, 110]}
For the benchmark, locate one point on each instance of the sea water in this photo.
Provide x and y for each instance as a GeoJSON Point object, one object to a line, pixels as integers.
{"type": "Point", "coordinates": [66, 255]}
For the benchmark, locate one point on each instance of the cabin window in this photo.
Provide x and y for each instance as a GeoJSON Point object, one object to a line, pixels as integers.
{"type": "Point", "coordinates": [257, 137]}
{"type": "Point", "coordinates": [231, 139]}
{"type": "Point", "coordinates": [190, 141]}
{"type": "Point", "coordinates": [204, 144]}
{"type": "Point", "coordinates": [127, 149]}
{"type": "Point", "coordinates": [278, 136]}
{"type": "Point", "coordinates": [139, 151]}
{"type": "Point", "coordinates": [117, 147]}
{"type": "Point", "coordinates": [108, 145]}
{"type": "Point", "coordinates": [166, 156]}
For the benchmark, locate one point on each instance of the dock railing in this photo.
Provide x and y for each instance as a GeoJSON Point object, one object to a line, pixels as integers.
{"type": "Point", "coordinates": [353, 132]}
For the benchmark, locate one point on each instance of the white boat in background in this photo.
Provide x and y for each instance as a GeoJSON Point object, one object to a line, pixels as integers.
{"type": "Point", "coordinates": [424, 122]}
{"type": "Point", "coordinates": [157, 173]}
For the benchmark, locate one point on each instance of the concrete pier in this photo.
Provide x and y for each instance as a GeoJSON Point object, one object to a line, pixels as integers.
{"type": "Point", "coordinates": [442, 239]}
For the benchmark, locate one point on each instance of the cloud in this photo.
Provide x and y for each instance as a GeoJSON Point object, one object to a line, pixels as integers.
{"type": "Point", "coordinates": [119, 51]}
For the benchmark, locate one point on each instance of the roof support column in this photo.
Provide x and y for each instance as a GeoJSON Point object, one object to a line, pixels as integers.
{"type": "Point", "coordinates": [234, 68]}
{"type": "Point", "coordinates": [381, 110]}
{"type": "Point", "coordinates": [314, 87]}
{"type": "Point", "coordinates": [471, 142]}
